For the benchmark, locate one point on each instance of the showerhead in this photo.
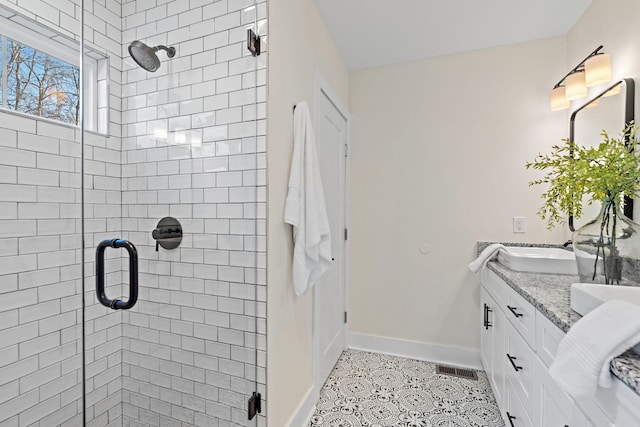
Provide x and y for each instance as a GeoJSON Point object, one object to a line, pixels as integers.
{"type": "Point", "coordinates": [146, 57]}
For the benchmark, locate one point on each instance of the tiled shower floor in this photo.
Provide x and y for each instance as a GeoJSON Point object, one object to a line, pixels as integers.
{"type": "Point", "coordinates": [371, 389]}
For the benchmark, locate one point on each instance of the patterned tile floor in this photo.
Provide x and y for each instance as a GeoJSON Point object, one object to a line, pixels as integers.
{"type": "Point", "coordinates": [376, 390]}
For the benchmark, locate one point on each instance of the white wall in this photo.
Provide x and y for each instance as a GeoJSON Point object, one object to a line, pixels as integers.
{"type": "Point", "coordinates": [439, 148]}
{"type": "Point", "coordinates": [300, 45]}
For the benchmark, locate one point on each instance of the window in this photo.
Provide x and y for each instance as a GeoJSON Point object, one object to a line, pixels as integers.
{"type": "Point", "coordinates": [40, 84]}
{"type": "Point", "coordinates": [40, 74]}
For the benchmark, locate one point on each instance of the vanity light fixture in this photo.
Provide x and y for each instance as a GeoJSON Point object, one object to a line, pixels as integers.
{"type": "Point", "coordinates": [594, 70]}
{"type": "Point", "coordinates": [576, 85]}
{"type": "Point", "coordinates": [597, 69]}
{"type": "Point", "coordinates": [559, 99]}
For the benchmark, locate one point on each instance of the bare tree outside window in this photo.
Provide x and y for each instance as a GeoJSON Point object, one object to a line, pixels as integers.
{"type": "Point", "coordinates": [41, 84]}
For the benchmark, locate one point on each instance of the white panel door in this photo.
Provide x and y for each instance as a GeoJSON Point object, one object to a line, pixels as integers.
{"type": "Point", "coordinates": [329, 291]}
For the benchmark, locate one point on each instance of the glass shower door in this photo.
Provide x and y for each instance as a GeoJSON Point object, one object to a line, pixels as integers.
{"type": "Point", "coordinates": [40, 210]}
{"type": "Point", "coordinates": [178, 173]}
{"type": "Point", "coordinates": [186, 141]}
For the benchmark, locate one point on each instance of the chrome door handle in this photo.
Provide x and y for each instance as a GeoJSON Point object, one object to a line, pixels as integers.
{"type": "Point", "coordinates": [117, 304]}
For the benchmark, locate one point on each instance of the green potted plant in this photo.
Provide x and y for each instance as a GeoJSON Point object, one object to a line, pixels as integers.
{"type": "Point", "coordinates": [608, 248]}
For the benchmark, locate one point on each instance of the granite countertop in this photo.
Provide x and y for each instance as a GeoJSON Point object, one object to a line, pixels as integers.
{"type": "Point", "coordinates": [550, 294]}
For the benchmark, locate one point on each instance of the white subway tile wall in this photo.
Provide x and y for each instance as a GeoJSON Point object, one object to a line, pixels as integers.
{"type": "Point", "coordinates": [40, 270]}
{"type": "Point", "coordinates": [186, 141]}
{"type": "Point", "coordinates": [189, 150]}
{"type": "Point", "coordinates": [40, 276]}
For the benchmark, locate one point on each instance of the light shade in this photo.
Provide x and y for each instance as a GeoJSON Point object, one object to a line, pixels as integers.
{"type": "Point", "coordinates": [597, 69]}
{"type": "Point", "coordinates": [559, 100]}
{"type": "Point", "coordinates": [593, 103]}
{"type": "Point", "coordinates": [613, 91]}
{"type": "Point", "coordinates": [576, 86]}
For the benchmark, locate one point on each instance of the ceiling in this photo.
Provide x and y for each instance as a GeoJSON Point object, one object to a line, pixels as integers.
{"type": "Point", "coordinates": [371, 33]}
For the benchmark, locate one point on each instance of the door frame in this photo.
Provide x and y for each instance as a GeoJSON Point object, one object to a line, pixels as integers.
{"type": "Point", "coordinates": [322, 88]}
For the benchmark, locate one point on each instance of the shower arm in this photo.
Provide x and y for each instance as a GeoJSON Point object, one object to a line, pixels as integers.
{"type": "Point", "coordinates": [171, 51]}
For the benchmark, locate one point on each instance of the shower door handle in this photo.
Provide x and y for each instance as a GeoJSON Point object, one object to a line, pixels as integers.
{"type": "Point", "coordinates": [117, 304]}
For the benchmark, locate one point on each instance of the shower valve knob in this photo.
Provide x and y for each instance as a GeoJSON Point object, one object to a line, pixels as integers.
{"type": "Point", "coordinates": [168, 233]}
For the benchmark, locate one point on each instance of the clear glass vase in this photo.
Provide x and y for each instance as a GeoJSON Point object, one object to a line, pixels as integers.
{"type": "Point", "coordinates": [607, 249]}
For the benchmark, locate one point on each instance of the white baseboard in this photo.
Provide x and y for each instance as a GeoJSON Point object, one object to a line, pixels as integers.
{"type": "Point", "coordinates": [462, 357]}
{"type": "Point", "coordinates": [306, 409]}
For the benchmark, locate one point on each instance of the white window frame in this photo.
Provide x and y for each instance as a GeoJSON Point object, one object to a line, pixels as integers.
{"type": "Point", "coordinates": [96, 68]}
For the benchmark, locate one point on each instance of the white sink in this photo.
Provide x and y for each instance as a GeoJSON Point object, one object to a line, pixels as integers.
{"type": "Point", "coordinates": [587, 296]}
{"type": "Point", "coordinates": [539, 260]}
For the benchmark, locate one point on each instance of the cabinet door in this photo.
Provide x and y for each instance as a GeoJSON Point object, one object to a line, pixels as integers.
{"type": "Point", "coordinates": [556, 407]}
{"type": "Point", "coordinates": [522, 316]}
{"type": "Point", "coordinates": [486, 331]}
{"type": "Point", "coordinates": [520, 368]}
{"type": "Point", "coordinates": [492, 343]}
{"type": "Point", "coordinates": [514, 412]}
{"type": "Point", "coordinates": [548, 337]}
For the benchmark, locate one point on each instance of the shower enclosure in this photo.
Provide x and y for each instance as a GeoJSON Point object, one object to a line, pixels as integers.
{"type": "Point", "coordinates": [147, 184]}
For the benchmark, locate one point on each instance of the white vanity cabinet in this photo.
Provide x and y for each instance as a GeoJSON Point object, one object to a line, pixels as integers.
{"type": "Point", "coordinates": [518, 344]}
{"type": "Point", "coordinates": [507, 331]}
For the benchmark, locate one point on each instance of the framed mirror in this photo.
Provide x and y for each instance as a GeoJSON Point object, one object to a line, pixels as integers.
{"type": "Point", "coordinates": [611, 111]}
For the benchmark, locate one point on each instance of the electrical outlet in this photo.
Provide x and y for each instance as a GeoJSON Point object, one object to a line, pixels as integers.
{"type": "Point", "coordinates": [519, 224]}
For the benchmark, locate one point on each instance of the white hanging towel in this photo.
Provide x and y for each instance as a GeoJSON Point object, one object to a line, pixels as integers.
{"type": "Point", "coordinates": [305, 207]}
{"type": "Point", "coordinates": [585, 353]}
